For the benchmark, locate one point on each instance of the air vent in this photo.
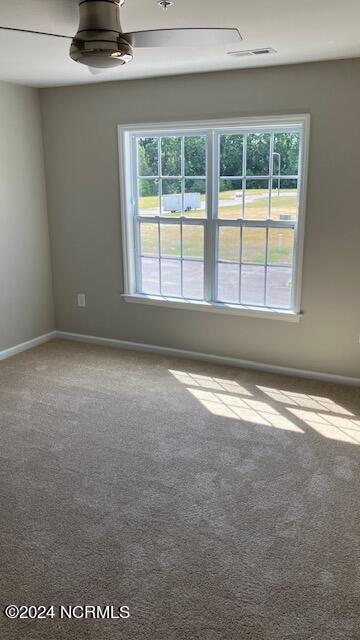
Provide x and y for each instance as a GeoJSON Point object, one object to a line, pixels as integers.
{"type": "Point", "coordinates": [251, 52]}
{"type": "Point", "coordinates": [261, 52]}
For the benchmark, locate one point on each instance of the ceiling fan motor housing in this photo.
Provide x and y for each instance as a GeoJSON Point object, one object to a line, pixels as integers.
{"type": "Point", "coordinates": [99, 41]}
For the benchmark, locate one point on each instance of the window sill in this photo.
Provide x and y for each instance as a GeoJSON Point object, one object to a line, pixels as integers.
{"type": "Point", "coordinates": [214, 307]}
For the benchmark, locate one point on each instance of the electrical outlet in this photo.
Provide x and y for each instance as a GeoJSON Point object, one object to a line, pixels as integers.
{"type": "Point", "coordinates": [81, 300]}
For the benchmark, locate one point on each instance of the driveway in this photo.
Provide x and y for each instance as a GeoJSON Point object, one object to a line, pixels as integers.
{"type": "Point", "coordinates": [252, 281]}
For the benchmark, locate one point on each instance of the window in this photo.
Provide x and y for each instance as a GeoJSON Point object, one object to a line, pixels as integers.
{"type": "Point", "coordinates": [213, 214]}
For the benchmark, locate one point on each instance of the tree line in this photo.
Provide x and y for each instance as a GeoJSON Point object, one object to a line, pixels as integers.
{"type": "Point", "coordinates": [191, 152]}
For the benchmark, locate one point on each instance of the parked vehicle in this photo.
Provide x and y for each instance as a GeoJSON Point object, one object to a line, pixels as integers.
{"type": "Point", "coordinates": [173, 202]}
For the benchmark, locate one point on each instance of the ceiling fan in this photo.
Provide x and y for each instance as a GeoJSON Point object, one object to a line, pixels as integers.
{"type": "Point", "coordinates": [100, 42]}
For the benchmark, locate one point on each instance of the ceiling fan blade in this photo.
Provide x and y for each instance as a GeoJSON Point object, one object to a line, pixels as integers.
{"type": "Point", "coordinates": [38, 33]}
{"type": "Point", "coordinates": [183, 37]}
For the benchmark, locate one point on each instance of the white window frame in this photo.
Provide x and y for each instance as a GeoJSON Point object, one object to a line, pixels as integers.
{"type": "Point", "coordinates": [211, 128]}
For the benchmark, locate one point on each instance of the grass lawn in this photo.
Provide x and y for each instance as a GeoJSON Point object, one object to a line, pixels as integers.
{"type": "Point", "coordinates": [280, 240]}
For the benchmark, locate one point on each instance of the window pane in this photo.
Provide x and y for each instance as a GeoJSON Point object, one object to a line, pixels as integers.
{"type": "Point", "coordinates": [171, 156]}
{"type": "Point", "coordinates": [149, 239]}
{"type": "Point", "coordinates": [148, 156]}
{"type": "Point", "coordinates": [171, 277]}
{"type": "Point", "coordinates": [228, 282]}
{"type": "Point", "coordinates": [252, 285]}
{"type": "Point", "coordinates": [286, 153]}
{"type": "Point", "coordinates": [253, 248]}
{"type": "Point", "coordinates": [149, 198]}
{"type": "Point", "coordinates": [230, 199]}
{"type": "Point", "coordinates": [284, 200]}
{"type": "Point", "coordinates": [170, 240]}
{"type": "Point", "coordinates": [257, 199]}
{"type": "Point", "coordinates": [229, 244]}
{"type": "Point", "coordinates": [258, 154]}
{"type": "Point", "coordinates": [150, 276]}
{"type": "Point", "coordinates": [278, 287]}
{"type": "Point", "coordinates": [195, 155]}
{"type": "Point", "coordinates": [171, 197]}
{"type": "Point", "coordinates": [193, 279]}
{"type": "Point", "coordinates": [193, 241]}
{"type": "Point", "coordinates": [231, 155]}
{"type": "Point", "coordinates": [281, 246]}
{"type": "Point", "coordinates": [195, 198]}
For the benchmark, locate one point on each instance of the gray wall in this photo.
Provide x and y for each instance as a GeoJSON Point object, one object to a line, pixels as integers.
{"type": "Point", "coordinates": [83, 190]}
{"type": "Point", "coordinates": [26, 298]}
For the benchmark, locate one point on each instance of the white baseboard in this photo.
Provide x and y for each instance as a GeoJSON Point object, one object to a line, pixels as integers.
{"type": "Point", "coordinates": [205, 357]}
{"type": "Point", "coordinates": [24, 346]}
{"type": "Point", "coordinates": [179, 353]}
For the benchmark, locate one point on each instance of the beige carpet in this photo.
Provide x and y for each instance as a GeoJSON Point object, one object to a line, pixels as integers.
{"type": "Point", "coordinates": [217, 503]}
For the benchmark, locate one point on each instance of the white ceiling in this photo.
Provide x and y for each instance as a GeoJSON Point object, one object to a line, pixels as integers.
{"type": "Point", "coordinates": [300, 31]}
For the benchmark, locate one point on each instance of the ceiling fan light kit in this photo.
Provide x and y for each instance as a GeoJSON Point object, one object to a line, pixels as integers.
{"type": "Point", "coordinates": [99, 42]}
